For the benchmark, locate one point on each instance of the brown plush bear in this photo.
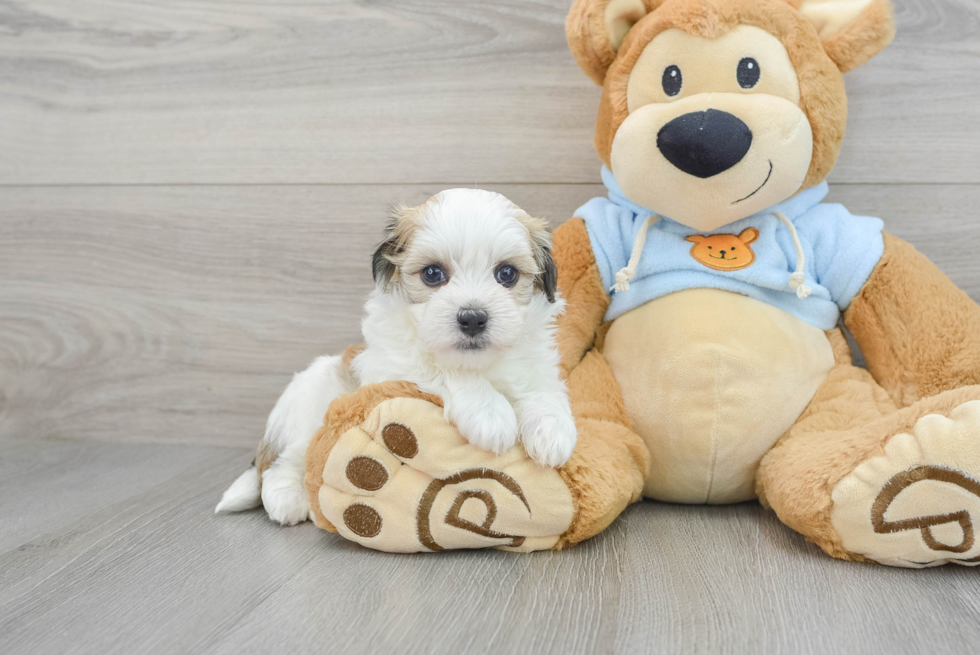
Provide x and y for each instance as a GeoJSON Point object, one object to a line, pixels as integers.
{"type": "Point", "coordinates": [701, 341]}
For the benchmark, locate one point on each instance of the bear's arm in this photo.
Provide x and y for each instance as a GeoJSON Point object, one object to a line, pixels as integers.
{"type": "Point", "coordinates": [920, 334]}
{"type": "Point", "coordinates": [581, 286]}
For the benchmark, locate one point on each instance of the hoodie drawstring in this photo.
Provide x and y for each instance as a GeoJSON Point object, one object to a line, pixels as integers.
{"type": "Point", "coordinates": [628, 272]}
{"type": "Point", "coordinates": [797, 279]}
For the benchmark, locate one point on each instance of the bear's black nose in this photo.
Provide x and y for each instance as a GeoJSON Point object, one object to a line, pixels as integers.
{"type": "Point", "coordinates": [472, 321]}
{"type": "Point", "coordinates": [704, 143]}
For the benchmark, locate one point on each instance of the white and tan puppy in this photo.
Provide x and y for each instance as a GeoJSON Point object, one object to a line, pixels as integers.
{"type": "Point", "coordinates": [464, 307]}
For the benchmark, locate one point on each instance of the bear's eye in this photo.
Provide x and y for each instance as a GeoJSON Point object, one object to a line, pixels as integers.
{"type": "Point", "coordinates": [672, 80]}
{"type": "Point", "coordinates": [747, 73]}
{"type": "Point", "coordinates": [710, 248]}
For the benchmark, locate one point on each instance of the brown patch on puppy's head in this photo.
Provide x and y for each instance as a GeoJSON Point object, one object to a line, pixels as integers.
{"type": "Point", "coordinates": [546, 278]}
{"type": "Point", "coordinates": [403, 221]}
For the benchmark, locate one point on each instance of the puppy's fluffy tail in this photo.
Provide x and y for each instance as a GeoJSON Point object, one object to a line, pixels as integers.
{"type": "Point", "coordinates": [244, 493]}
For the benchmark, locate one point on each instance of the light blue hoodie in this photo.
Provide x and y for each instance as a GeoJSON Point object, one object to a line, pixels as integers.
{"type": "Point", "coordinates": [840, 252]}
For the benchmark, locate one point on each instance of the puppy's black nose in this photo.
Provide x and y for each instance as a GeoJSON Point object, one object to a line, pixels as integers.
{"type": "Point", "coordinates": [472, 321]}
{"type": "Point", "coordinates": [704, 143]}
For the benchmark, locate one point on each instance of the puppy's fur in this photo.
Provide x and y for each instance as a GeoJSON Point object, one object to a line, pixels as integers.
{"type": "Point", "coordinates": [464, 250]}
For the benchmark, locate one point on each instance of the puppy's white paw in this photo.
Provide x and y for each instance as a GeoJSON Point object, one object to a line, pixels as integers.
{"type": "Point", "coordinates": [490, 425]}
{"type": "Point", "coordinates": [284, 496]}
{"type": "Point", "coordinates": [549, 436]}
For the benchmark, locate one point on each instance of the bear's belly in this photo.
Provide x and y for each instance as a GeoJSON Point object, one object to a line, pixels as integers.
{"type": "Point", "coordinates": [711, 379]}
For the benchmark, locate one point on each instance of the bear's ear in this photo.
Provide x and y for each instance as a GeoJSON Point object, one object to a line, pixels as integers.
{"type": "Point", "coordinates": [748, 235]}
{"type": "Point", "coordinates": [695, 238]}
{"type": "Point", "coordinates": [852, 31]}
{"type": "Point", "coordinates": [596, 28]}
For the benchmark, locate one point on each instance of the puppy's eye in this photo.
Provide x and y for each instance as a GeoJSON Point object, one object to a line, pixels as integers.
{"type": "Point", "coordinates": [433, 275]}
{"type": "Point", "coordinates": [671, 80]}
{"type": "Point", "coordinates": [507, 275]}
{"type": "Point", "coordinates": [748, 72]}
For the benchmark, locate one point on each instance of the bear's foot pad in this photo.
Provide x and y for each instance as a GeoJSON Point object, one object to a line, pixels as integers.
{"type": "Point", "coordinates": [405, 480]}
{"type": "Point", "coordinates": [918, 504]}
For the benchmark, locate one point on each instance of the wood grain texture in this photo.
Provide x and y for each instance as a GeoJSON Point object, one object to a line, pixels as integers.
{"type": "Point", "coordinates": [45, 487]}
{"type": "Point", "coordinates": [178, 314]}
{"type": "Point", "coordinates": [189, 195]}
{"type": "Point", "coordinates": [158, 572]}
{"type": "Point", "coordinates": [413, 91]}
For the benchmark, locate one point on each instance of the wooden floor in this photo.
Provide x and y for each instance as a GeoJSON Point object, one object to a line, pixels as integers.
{"type": "Point", "coordinates": [189, 194]}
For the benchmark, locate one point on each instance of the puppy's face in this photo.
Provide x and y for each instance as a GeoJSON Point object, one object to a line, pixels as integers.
{"type": "Point", "coordinates": [469, 264]}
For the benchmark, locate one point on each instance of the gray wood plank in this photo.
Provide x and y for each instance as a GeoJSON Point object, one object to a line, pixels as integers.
{"type": "Point", "coordinates": [159, 573]}
{"type": "Point", "coordinates": [45, 485]}
{"type": "Point", "coordinates": [207, 91]}
{"type": "Point", "coordinates": [175, 315]}
{"type": "Point", "coordinates": [741, 582]}
{"type": "Point", "coordinates": [178, 314]}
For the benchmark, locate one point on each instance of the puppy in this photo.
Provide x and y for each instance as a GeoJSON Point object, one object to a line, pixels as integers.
{"type": "Point", "coordinates": [464, 307]}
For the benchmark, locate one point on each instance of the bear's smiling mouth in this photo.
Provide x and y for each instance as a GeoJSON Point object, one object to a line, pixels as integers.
{"type": "Point", "coordinates": [727, 259]}
{"type": "Point", "coordinates": [768, 175]}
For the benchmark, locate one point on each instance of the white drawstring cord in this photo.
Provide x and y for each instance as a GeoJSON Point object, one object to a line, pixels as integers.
{"type": "Point", "coordinates": [797, 279]}
{"type": "Point", "coordinates": [628, 272]}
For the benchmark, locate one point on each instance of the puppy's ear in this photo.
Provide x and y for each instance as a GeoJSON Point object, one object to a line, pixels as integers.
{"type": "Point", "coordinates": [402, 221]}
{"type": "Point", "coordinates": [383, 262]}
{"type": "Point", "coordinates": [547, 277]}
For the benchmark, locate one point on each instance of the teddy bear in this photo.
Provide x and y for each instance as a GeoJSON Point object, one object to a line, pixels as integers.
{"type": "Point", "coordinates": [702, 342]}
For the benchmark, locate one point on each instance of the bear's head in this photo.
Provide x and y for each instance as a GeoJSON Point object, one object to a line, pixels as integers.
{"type": "Point", "coordinates": [713, 110]}
{"type": "Point", "coordinates": [724, 252]}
